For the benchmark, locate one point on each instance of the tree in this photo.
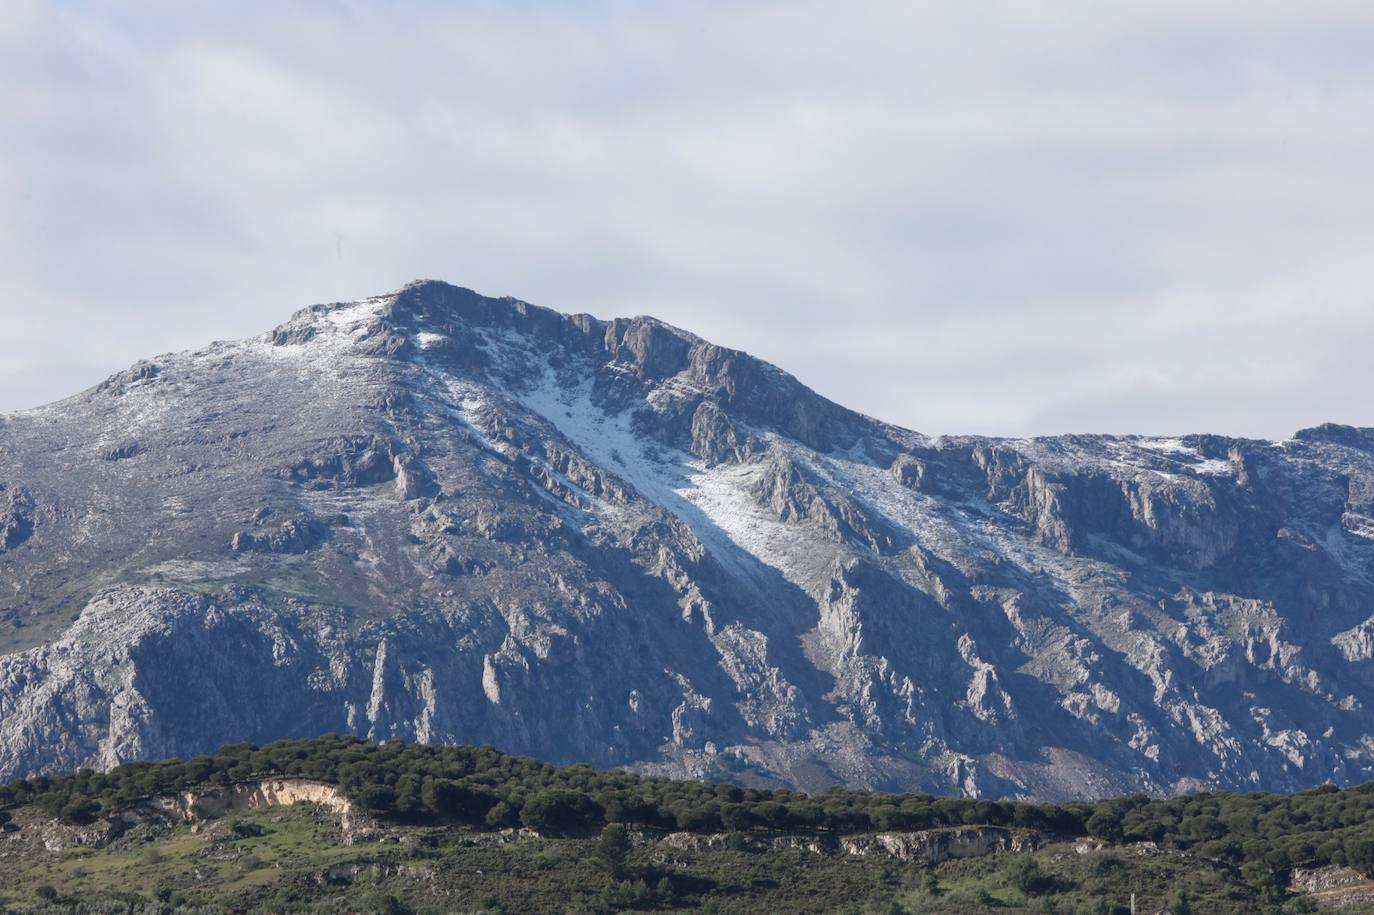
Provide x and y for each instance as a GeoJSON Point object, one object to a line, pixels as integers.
{"type": "Point", "coordinates": [80, 811]}
{"type": "Point", "coordinates": [1027, 816]}
{"type": "Point", "coordinates": [559, 810]}
{"type": "Point", "coordinates": [613, 848]}
{"type": "Point", "coordinates": [408, 788]}
{"type": "Point", "coordinates": [441, 796]}
{"type": "Point", "coordinates": [771, 814]}
{"type": "Point", "coordinates": [377, 798]}
{"type": "Point", "coordinates": [1359, 854]}
{"type": "Point", "coordinates": [1105, 824]}
{"type": "Point", "coordinates": [1203, 827]}
{"type": "Point", "coordinates": [702, 818]}
{"type": "Point", "coordinates": [889, 817]}
{"type": "Point", "coordinates": [737, 817]}
{"type": "Point", "coordinates": [502, 815]}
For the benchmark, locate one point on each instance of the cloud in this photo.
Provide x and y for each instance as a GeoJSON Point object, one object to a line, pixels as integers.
{"type": "Point", "coordinates": [992, 218]}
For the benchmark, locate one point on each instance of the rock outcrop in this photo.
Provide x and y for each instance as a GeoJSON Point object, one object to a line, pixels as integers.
{"type": "Point", "coordinates": [934, 846]}
{"type": "Point", "coordinates": [191, 807]}
{"type": "Point", "coordinates": [16, 519]}
{"type": "Point", "coordinates": [927, 847]}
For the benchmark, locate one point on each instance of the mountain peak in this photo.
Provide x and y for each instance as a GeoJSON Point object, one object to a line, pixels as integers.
{"type": "Point", "coordinates": [1356, 437]}
{"type": "Point", "coordinates": [455, 328]}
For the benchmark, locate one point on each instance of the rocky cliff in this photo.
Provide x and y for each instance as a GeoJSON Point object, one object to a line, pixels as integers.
{"type": "Point", "coordinates": [437, 516]}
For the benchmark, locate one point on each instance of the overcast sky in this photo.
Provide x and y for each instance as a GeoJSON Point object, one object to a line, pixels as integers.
{"type": "Point", "coordinates": [1006, 218]}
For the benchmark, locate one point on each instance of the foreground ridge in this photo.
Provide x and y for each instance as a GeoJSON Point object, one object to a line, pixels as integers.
{"type": "Point", "coordinates": [443, 810]}
{"type": "Point", "coordinates": [441, 517]}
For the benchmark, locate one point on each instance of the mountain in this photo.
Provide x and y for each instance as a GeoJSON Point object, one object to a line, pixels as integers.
{"type": "Point", "coordinates": [442, 517]}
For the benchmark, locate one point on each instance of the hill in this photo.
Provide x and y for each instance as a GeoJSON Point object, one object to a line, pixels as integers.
{"type": "Point", "coordinates": [338, 824]}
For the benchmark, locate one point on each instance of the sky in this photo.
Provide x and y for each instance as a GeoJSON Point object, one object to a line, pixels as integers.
{"type": "Point", "coordinates": [1011, 218]}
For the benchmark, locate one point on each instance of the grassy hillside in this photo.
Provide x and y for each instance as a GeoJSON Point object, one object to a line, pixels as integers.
{"type": "Point", "coordinates": [458, 829]}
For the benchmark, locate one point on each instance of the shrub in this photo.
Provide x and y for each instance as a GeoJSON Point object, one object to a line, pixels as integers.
{"type": "Point", "coordinates": [1023, 873]}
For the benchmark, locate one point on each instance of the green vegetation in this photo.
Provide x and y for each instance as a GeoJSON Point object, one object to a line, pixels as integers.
{"type": "Point", "coordinates": [481, 786]}
{"type": "Point", "coordinates": [450, 842]}
{"type": "Point", "coordinates": [292, 859]}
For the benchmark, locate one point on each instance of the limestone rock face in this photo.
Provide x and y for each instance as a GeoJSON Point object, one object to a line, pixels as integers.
{"type": "Point", "coordinates": [16, 519]}
{"type": "Point", "coordinates": [295, 535]}
{"type": "Point", "coordinates": [437, 516]}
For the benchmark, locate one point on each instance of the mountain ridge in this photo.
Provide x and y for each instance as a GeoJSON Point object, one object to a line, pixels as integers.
{"type": "Point", "coordinates": [435, 515]}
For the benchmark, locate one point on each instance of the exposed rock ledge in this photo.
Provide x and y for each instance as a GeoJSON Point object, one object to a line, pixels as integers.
{"type": "Point", "coordinates": [1317, 879]}
{"type": "Point", "coordinates": [1334, 887]}
{"type": "Point", "coordinates": [216, 802]}
{"type": "Point", "coordinates": [936, 845]}
{"type": "Point", "coordinates": [929, 846]}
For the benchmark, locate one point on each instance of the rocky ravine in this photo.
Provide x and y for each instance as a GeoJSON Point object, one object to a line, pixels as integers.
{"type": "Point", "coordinates": [437, 516]}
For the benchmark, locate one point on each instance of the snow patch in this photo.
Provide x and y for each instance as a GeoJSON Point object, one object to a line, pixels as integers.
{"type": "Point", "coordinates": [1168, 446]}
{"type": "Point", "coordinates": [1193, 459]}
{"type": "Point", "coordinates": [919, 514]}
{"type": "Point", "coordinates": [355, 312]}
{"type": "Point", "coordinates": [716, 503]}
